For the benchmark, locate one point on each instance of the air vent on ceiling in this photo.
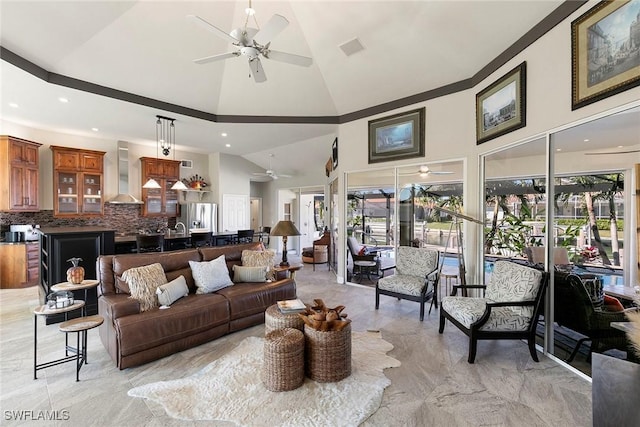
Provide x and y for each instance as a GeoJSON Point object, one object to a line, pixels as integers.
{"type": "Point", "coordinates": [351, 47]}
{"type": "Point", "coordinates": [187, 164]}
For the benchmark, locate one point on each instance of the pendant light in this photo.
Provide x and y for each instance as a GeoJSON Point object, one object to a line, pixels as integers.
{"type": "Point", "coordinates": [165, 138]}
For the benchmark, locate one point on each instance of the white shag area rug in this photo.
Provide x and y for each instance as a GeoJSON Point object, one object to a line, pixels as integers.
{"type": "Point", "coordinates": [230, 389]}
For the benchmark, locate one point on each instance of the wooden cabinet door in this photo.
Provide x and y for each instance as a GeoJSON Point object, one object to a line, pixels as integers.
{"type": "Point", "coordinates": [171, 170]}
{"type": "Point", "coordinates": [68, 160]}
{"type": "Point", "coordinates": [18, 192]}
{"type": "Point", "coordinates": [91, 162]}
{"type": "Point", "coordinates": [30, 155]}
{"type": "Point", "coordinates": [31, 187]}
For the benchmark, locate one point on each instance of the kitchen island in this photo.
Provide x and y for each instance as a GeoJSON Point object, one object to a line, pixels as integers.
{"type": "Point", "coordinates": [58, 245]}
{"type": "Point", "coordinates": [126, 243]}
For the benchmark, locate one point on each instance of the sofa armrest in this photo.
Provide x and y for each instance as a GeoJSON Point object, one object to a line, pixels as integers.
{"type": "Point", "coordinates": [119, 305]}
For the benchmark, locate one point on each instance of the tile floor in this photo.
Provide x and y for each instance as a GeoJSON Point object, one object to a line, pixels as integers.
{"type": "Point", "coordinates": [435, 386]}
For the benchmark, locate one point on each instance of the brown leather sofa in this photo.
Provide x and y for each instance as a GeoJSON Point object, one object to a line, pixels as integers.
{"type": "Point", "coordinates": [132, 337]}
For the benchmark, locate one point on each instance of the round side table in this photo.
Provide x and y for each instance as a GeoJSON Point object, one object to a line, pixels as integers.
{"type": "Point", "coordinates": [275, 319]}
{"type": "Point", "coordinates": [364, 267]}
{"type": "Point", "coordinates": [80, 326]}
{"type": "Point", "coordinates": [44, 310]}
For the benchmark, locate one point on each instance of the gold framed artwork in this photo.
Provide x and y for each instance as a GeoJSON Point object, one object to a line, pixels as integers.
{"type": "Point", "coordinates": [605, 47]}
{"type": "Point", "coordinates": [397, 137]}
{"type": "Point", "coordinates": [502, 107]}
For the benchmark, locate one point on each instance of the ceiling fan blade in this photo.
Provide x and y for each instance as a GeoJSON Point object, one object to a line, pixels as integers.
{"type": "Point", "coordinates": [214, 58]}
{"type": "Point", "coordinates": [272, 28]}
{"type": "Point", "coordinates": [289, 58]}
{"type": "Point", "coordinates": [440, 173]}
{"type": "Point", "coordinates": [284, 175]}
{"type": "Point", "coordinates": [256, 71]}
{"type": "Point", "coordinates": [215, 30]}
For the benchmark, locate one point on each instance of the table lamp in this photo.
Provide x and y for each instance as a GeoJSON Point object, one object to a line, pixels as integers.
{"type": "Point", "coordinates": [284, 229]}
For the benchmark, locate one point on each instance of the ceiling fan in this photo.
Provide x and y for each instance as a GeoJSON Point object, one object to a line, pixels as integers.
{"type": "Point", "coordinates": [254, 43]}
{"type": "Point", "coordinates": [424, 172]}
{"type": "Point", "coordinates": [270, 172]}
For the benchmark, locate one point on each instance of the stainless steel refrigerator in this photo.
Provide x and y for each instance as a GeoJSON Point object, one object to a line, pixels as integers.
{"type": "Point", "coordinates": [199, 216]}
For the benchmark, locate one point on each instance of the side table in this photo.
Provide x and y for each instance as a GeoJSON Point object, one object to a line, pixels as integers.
{"type": "Point", "coordinates": [84, 285]}
{"type": "Point", "coordinates": [275, 319]}
{"type": "Point", "coordinates": [364, 267]}
{"type": "Point", "coordinates": [43, 310]}
{"type": "Point", "coordinates": [80, 326]}
{"type": "Point", "coordinates": [290, 268]}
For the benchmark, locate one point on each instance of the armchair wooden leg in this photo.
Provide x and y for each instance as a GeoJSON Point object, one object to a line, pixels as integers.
{"type": "Point", "coordinates": [532, 348]}
{"type": "Point", "coordinates": [442, 320]}
{"type": "Point", "coordinates": [422, 310]}
{"type": "Point", "coordinates": [377, 299]}
{"type": "Point", "coordinates": [473, 347]}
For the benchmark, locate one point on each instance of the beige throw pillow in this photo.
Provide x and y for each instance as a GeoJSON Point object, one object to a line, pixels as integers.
{"type": "Point", "coordinates": [210, 276]}
{"type": "Point", "coordinates": [172, 291]}
{"type": "Point", "coordinates": [143, 282]}
{"type": "Point", "coordinates": [260, 259]}
{"type": "Point", "coordinates": [249, 274]}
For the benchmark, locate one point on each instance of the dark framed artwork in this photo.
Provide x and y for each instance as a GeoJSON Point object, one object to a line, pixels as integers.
{"type": "Point", "coordinates": [502, 107]}
{"type": "Point", "coordinates": [397, 137]}
{"type": "Point", "coordinates": [605, 53]}
{"type": "Point", "coordinates": [334, 153]}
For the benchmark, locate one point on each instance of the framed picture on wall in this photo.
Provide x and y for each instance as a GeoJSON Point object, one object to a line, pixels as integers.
{"type": "Point", "coordinates": [502, 107]}
{"type": "Point", "coordinates": [396, 137]}
{"type": "Point", "coordinates": [605, 51]}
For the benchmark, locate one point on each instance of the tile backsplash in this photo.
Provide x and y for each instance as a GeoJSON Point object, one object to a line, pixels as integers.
{"type": "Point", "coordinates": [121, 217]}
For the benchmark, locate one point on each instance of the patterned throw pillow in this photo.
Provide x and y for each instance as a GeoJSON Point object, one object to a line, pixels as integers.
{"type": "Point", "coordinates": [260, 259]}
{"type": "Point", "coordinates": [249, 274]}
{"type": "Point", "coordinates": [210, 276]}
{"type": "Point", "coordinates": [143, 283]}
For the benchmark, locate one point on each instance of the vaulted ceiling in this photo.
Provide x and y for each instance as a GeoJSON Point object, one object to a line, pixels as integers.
{"type": "Point", "coordinates": [146, 49]}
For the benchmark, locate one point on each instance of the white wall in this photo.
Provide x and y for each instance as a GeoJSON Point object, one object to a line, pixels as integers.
{"type": "Point", "coordinates": [450, 120]}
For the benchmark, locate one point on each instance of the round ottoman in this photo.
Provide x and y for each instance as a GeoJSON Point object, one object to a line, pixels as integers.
{"type": "Point", "coordinates": [327, 354]}
{"type": "Point", "coordinates": [283, 366]}
{"type": "Point", "coordinates": [275, 319]}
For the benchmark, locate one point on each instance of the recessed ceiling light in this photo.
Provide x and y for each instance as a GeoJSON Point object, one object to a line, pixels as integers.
{"type": "Point", "coordinates": [586, 140]}
{"type": "Point", "coordinates": [620, 146]}
{"type": "Point", "coordinates": [227, 145]}
{"type": "Point", "coordinates": [13, 105]}
{"type": "Point", "coordinates": [223, 134]}
{"type": "Point", "coordinates": [63, 100]}
{"type": "Point", "coordinates": [558, 149]}
{"type": "Point", "coordinates": [95, 129]}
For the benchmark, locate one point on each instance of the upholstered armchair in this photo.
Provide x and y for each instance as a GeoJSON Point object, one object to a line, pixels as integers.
{"type": "Point", "coordinates": [415, 278]}
{"type": "Point", "coordinates": [509, 309]}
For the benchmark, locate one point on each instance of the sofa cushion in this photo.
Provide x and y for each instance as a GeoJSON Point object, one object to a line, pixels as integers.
{"type": "Point", "coordinates": [186, 317]}
{"type": "Point", "coordinates": [249, 274]}
{"type": "Point", "coordinates": [469, 310]}
{"type": "Point", "coordinates": [210, 276]}
{"type": "Point", "coordinates": [247, 299]}
{"type": "Point", "coordinates": [143, 283]}
{"type": "Point", "coordinates": [172, 291]}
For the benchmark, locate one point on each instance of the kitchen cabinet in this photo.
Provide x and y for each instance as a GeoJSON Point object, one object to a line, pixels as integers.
{"type": "Point", "coordinates": [161, 201]}
{"type": "Point", "coordinates": [58, 244]}
{"type": "Point", "coordinates": [19, 161]}
{"type": "Point", "coordinates": [77, 182]}
{"type": "Point", "coordinates": [18, 265]}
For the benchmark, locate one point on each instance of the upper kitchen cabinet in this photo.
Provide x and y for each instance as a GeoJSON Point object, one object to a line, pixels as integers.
{"type": "Point", "coordinates": [19, 163]}
{"type": "Point", "coordinates": [78, 182]}
{"type": "Point", "coordinates": [161, 201]}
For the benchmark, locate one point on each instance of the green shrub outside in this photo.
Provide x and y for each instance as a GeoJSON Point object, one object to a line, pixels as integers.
{"type": "Point", "coordinates": [603, 224]}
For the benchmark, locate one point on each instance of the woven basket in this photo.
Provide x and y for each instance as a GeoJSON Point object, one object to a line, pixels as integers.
{"type": "Point", "coordinates": [275, 319]}
{"type": "Point", "coordinates": [283, 367]}
{"type": "Point", "coordinates": [327, 354]}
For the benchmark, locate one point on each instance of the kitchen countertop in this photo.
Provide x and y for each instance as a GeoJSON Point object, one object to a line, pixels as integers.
{"type": "Point", "coordinates": [30, 242]}
{"type": "Point", "coordinates": [65, 230]}
{"type": "Point", "coordinates": [167, 236]}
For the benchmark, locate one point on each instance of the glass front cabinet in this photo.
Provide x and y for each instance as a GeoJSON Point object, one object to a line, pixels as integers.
{"type": "Point", "coordinates": [161, 201]}
{"type": "Point", "coordinates": [78, 182]}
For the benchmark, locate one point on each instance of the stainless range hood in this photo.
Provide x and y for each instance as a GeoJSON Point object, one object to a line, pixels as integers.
{"type": "Point", "coordinates": [124, 197]}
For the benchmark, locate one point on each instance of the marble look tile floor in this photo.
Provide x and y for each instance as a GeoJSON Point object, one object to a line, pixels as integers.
{"type": "Point", "coordinates": [435, 386]}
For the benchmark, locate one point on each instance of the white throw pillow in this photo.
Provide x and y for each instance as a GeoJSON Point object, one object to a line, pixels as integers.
{"type": "Point", "coordinates": [249, 274]}
{"type": "Point", "coordinates": [172, 291]}
{"type": "Point", "coordinates": [210, 276]}
{"type": "Point", "coordinates": [143, 282]}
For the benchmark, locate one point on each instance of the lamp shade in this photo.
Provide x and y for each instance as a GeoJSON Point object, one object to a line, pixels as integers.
{"type": "Point", "coordinates": [179, 185]}
{"type": "Point", "coordinates": [285, 228]}
{"type": "Point", "coordinates": [151, 183]}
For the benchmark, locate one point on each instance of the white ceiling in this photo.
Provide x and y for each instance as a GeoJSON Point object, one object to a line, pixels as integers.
{"type": "Point", "coordinates": [146, 48]}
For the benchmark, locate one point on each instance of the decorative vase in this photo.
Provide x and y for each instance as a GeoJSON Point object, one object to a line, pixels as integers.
{"type": "Point", "coordinates": [75, 274]}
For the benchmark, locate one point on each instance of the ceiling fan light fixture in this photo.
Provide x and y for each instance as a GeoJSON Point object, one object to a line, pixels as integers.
{"type": "Point", "coordinates": [250, 11]}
